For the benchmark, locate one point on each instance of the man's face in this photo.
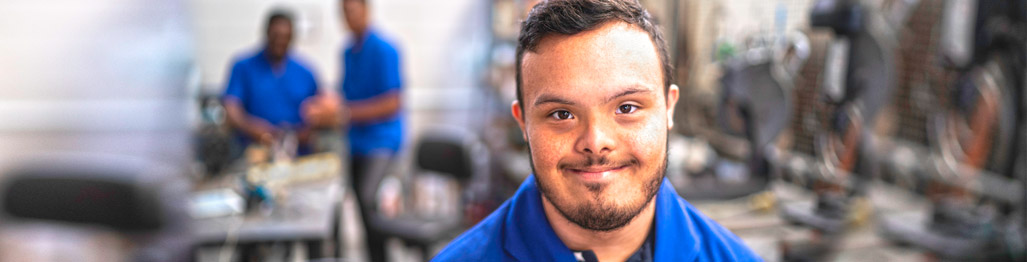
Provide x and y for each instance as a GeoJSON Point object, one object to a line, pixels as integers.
{"type": "Point", "coordinates": [596, 119]}
{"type": "Point", "coordinates": [279, 36]}
{"type": "Point", "coordinates": [355, 12]}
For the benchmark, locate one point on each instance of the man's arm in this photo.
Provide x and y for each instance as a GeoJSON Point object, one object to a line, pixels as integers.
{"type": "Point", "coordinates": [255, 128]}
{"type": "Point", "coordinates": [375, 108]}
{"type": "Point", "coordinates": [387, 103]}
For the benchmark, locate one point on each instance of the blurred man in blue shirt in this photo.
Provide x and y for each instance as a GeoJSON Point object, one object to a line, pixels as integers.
{"type": "Point", "coordinates": [371, 86]}
{"type": "Point", "coordinates": [266, 89]}
{"type": "Point", "coordinates": [595, 104]}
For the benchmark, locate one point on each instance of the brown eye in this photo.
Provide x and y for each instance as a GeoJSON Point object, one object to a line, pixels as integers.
{"type": "Point", "coordinates": [626, 109]}
{"type": "Point", "coordinates": [561, 115]}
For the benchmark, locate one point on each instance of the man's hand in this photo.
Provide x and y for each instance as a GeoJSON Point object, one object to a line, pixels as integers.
{"type": "Point", "coordinates": [253, 127]}
{"type": "Point", "coordinates": [323, 110]}
{"type": "Point", "coordinates": [261, 131]}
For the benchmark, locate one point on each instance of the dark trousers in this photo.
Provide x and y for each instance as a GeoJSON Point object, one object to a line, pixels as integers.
{"type": "Point", "coordinates": [375, 240]}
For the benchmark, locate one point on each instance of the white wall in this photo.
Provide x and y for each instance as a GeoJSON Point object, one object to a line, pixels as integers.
{"type": "Point", "coordinates": [102, 76]}
{"type": "Point", "coordinates": [742, 18]}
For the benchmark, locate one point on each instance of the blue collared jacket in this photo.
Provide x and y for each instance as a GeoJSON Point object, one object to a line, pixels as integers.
{"type": "Point", "coordinates": [519, 231]}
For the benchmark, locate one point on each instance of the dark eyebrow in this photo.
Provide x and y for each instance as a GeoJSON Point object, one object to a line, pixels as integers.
{"type": "Point", "coordinates": [631, 90]}
{"type": "Point", "coordinates": [545, 98]}
{"type": "Point", "coordinates": [542, 99]}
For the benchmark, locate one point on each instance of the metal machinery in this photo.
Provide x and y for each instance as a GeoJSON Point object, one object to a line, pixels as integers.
{"type": "Point", "coordinates": [752, 108]}
{"type": "Point", "coordinates": [793, 161]}
{"type": "Point", "coordinates": [912, 110]}
{"type": "Point", "coordinates": [904, 139]}
{"type": "Point", "coordinates": [856, 82]}
{"type": "Point", "coordinates": [973, 137]}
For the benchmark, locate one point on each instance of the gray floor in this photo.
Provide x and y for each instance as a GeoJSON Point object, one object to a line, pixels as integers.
{"type": "Point", "coordinates": [763, 229]}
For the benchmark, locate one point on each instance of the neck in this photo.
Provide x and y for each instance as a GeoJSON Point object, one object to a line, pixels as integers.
{"type": "Point", "coordinates": [277, 63]}
{"type": "Point", "coordinates": [273, 60]}
{"type": "Point", "coordinates": [616, 245]}
{"type": "Point", "coordinates": [358, 38]}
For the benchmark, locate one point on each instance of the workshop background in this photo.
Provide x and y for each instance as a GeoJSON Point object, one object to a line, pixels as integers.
{"type": "Point", "coordinates": [816, 130]}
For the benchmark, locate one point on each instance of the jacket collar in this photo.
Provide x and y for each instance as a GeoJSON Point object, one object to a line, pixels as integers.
{"type": "Point", "coordinates": [527, 235]}
{"type": "Point", "coordinates": [677, 238]}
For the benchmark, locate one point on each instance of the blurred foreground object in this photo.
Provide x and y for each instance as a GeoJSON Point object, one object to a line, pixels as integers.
{"type": "Point", "coordinates": [107, 194]}
{"type": "Point", "coordinates": [93, 117]}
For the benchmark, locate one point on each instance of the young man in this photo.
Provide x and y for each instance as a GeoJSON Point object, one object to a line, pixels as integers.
{"type": "Point", "coordinates": [266, 89]}
{"type": "Point", "coordinates": [595, 105]}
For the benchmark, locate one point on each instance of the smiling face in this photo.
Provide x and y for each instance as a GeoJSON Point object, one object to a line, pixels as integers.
{"type": "Point", "coordinates": [596, 117]}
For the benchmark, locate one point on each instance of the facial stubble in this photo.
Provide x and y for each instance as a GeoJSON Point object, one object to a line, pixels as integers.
{"type": "Point", "coordinates": [597, 215]}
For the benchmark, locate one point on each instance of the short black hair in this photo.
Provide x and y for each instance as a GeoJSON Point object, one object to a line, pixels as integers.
{"type": "Point", "coordinates": [569, 17]}
{"type": "Point", "coordinates": [278, 14]}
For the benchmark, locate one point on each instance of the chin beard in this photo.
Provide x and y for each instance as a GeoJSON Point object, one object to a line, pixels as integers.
{"type": "Point", "coordinates": [599, 216]}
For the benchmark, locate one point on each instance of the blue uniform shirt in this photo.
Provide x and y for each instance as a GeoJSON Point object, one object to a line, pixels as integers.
{"type": "Point", "coordinates": [519, 231]}
{"type": "Point", "coordinates": [269, 95]}
{"type": "Point", "coordinates": [371, 69]}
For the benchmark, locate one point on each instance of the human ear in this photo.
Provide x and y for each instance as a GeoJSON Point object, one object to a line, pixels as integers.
{"type": "Point", "coordinates": [672, 99]}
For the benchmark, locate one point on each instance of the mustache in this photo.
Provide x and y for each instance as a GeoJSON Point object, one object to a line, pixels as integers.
{"type": "Point", "coordinates": [596, 161]}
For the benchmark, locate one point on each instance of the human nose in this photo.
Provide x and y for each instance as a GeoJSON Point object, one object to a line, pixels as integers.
{"type": "Point", "coordinates": [598, 138]}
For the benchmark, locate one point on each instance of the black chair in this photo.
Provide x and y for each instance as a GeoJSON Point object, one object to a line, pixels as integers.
{"type": "Point", "coordinates": [450, 152]}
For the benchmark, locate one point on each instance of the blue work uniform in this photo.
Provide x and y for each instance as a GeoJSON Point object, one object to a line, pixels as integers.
{"type": "Point", "coordinates": [519, 231]}
{"type": "Point", "coordinates": [371, 68]}
{"type": "Point", "coordinates": [272, 95]}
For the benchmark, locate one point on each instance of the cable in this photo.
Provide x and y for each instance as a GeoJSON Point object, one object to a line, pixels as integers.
{"type": "Point", "coordinates": [231, 239]}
